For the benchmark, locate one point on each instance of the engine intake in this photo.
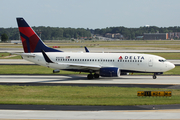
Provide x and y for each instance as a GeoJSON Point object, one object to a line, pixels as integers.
{"type": "Point", "coordinates": [109, 72]}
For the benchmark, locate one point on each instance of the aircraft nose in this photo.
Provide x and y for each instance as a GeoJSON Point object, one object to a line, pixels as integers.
{"type": "Point", "coordinates": [171, 66]}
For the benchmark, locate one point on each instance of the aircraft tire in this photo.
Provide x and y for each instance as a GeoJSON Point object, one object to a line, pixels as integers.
{"type": "Point", "coordinates": [96, 75]}
{"type": "Point", "coordinates": [90, 76]}
{"type": "Point", "coordinates": [154, 77]}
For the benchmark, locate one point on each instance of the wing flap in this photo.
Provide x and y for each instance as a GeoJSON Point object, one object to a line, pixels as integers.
{"type": "Point", "coordinates": [82, 66]}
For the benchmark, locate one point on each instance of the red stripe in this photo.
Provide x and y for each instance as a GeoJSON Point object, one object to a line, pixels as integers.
{"type": "Point", "coordinates": [26, 31]}
{"type": "Point", "coordinates": [33, 38]}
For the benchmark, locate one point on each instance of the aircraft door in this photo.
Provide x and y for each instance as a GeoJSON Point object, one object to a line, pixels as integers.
{"type": "Point", "coordinates": [150, 62]}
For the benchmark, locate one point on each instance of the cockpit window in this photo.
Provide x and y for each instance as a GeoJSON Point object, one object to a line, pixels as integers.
{"type": "Point", "coordinates": [161, 60]}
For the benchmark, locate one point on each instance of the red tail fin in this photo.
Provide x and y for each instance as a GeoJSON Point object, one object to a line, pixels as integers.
{"type": "Point", "coordinates": [30, 40]}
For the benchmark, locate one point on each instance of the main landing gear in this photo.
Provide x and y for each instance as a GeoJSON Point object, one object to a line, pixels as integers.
{"type": "Point", "coordinates": [91, 76]}
{"type": "Point", "coordinates": [154, 76]}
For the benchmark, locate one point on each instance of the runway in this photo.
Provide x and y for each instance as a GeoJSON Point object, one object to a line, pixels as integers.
{"type": "Point", "coordinates": [90, 115]}
{"type": "Point", "coordinates": [80, 79]}
{"type": "Point", "coordinates": [171, 82]}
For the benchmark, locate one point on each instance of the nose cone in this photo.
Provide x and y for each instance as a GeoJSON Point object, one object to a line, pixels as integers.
{"type": "Point", "coordinates": [170, 66]}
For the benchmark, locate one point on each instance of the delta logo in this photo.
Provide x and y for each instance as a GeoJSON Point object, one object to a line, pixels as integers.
{"type": "Point", "coordinates": [132, 57]}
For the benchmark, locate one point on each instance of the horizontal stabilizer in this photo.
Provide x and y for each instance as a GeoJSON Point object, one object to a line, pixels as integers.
{"type": "Point", "coordinates": [24, 54]}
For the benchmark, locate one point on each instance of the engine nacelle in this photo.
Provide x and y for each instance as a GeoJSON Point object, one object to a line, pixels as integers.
{"type": "Point", "coordinates": [56, 71]}
{"type": "Point", "coordinates": [109, 72]}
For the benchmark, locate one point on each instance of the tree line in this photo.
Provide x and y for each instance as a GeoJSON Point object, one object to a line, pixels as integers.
{"type": "Point", "coordinates": [50, 33]}
{"type": "Point", "coordinates": [132, 33]}
{"type": "Point", "coordinates": [56, 33]}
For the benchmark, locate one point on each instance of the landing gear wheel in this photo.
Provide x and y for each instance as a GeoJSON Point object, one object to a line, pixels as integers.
{"type": "Point", "coordinates": [96, 75]}
{"type": "Point", "coordinates": [90, 76]}
{"type": "Point", "coordinates": [154, 77]}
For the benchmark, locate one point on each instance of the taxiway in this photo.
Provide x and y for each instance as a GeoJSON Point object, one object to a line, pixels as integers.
{"type": "Point", "coordinates": [90, 115]}
{"type": "Point", "coordinates": [80, 79]}
{"type": "Point", "coordinates": [170, 82]}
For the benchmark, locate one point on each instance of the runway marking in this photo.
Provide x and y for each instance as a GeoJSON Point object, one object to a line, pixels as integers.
{"type": "Point", "coordinates": [164, 111]}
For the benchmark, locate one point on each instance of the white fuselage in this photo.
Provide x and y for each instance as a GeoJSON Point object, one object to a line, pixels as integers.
{"type": "Point", "coordinates": [124, 61]}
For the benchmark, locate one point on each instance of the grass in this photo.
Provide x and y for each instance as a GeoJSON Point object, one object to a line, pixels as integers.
{"type": "Point", "coordinates": [68, 95]}
{"type": "Point", "coordinates": [130, 44]}
{"type": "Point", "coordinates": [9, 56]}
{"type": "Point", "coordinates": [30, 69]}
{"type": "Point", "coordinates": [170, 56]}
{"type": "Point", "coordinates": [36, 69]}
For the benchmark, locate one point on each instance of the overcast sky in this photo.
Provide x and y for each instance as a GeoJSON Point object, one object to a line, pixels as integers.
{"type": "Point", "coordinates": [91, 13]}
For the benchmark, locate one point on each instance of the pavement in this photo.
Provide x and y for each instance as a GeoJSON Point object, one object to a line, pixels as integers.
{"type": "Point", "coordinates": [82, 79]}
{"type": "Point", "coordinates": [91, 115]}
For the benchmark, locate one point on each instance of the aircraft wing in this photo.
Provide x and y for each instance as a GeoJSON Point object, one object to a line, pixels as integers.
{"type": "Point", "coordinates": [82, 66]}
{"type": "Point", "coordinates": [72, 65]}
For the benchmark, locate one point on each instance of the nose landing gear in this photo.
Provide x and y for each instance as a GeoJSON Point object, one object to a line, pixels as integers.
{"type": "Point", "coordinates": [154, 76]}
{"type": "Point", "coordinates": [157, 73]}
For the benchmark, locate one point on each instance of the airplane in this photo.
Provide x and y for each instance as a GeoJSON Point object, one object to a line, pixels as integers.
{"type": "Point", "coordinates": [96, 64]}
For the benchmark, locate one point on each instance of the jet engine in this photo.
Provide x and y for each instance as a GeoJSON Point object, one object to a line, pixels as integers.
{"type": "Point", "coordinates": [110, 72]}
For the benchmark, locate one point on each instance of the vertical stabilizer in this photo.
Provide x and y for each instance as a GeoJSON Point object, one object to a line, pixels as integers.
{"type": "Point", "coordinates": [30, 40]}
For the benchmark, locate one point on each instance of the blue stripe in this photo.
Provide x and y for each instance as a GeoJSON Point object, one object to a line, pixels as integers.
{"type": "Point", "coordinates": [40, 46]}
{"type": "Point", "coordinates": [27, 41]}
{"type": "Point", "coordinates": [21, 22]}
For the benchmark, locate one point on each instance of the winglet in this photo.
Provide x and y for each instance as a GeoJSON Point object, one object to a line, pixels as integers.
{"type": "Point", "coordinates": [86, 49]}
{"type": "Point", "coordinates": [48, 60]}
